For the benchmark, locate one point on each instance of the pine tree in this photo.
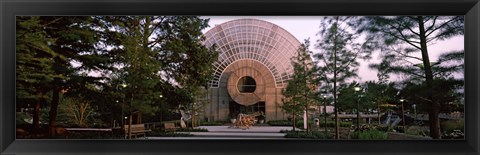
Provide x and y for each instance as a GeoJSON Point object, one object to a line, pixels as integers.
{"type": "Point", "coordinates": [301, 92]}
{"type": "Point", "coordinates": [402, 36]}
{"type": "Point", "coordinates": [35, 61]}
{"type": "Point", "coordinates": [75, 40]}
{"type": "Point", "coordinates": [156, 51]}
{"type": "Point", "coordinates": [338, 56]}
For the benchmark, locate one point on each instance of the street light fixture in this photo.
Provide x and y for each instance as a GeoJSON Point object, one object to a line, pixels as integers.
{"type": "Point", "coordinates": [116, 101]}
{"type": "Point", "coordinates": [192, 115]}
{"type": "Point", "coordinates": [123, 85]}
{"type": "Point", "coordinates": [357, 90]}
{"type": "Point", "coordinates": [403, 114]}
{"type": "Point", "coordinates": [414, 106]}
{"type": "Point", "coordinates": [161, 104]}
{"type": "Point", "coordinates": [124, 122]}
{"type": "Point", "coordinates": [325, 112]}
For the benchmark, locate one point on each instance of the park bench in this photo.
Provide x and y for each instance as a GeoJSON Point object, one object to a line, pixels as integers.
{"type": "Point", "coordinates": [170, 127]}
{"type": "Point", "coordinates": [136, 129]}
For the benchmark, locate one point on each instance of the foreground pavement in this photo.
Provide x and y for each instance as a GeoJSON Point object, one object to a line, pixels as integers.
{"type": "Point", "coordinates": [227, 133]}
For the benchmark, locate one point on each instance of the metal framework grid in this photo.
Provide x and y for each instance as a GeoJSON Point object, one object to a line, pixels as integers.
{"type": "Point", "coordinates": [256, 40]}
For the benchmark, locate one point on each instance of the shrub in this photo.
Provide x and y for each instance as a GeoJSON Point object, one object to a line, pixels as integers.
{"type": "Point", "coordinates": [216, 123]}
{"type": "Point", "coordinates": [192, 130]}
{"type": "Point", "coordinates": [369, 135]}
{"type": "Point", "coordinates": [416, 130]}
{"type": "Point", "coordinates": [451, 125]}
{"type": "Point", "coordinates": [299, 123]}
{"type": "Point", "coordinates": [90, 135]}
{"type": "Point", "coordinates": [280, 123]}
{"type": "Point", "coordinates": [21, 117]}
{"type": "Point", "coordinates": [345, 124]}
{"type": "Point", "coordinates": [310, 134]}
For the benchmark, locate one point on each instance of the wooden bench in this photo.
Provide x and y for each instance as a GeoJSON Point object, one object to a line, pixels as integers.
{"type": "Point", "coordinates": [170, 127]}
{"type": "Point", "coordinates": [136, 129]}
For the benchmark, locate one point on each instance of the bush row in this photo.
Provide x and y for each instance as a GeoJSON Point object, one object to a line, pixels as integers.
{"type": "Point", "coordinates": [369, 135]}
{"type": "Point", "coordinates": [310, 123]}
{"type": "Point", "coordinates": [216, 123]}
{"type": "Point", "coordinates": [452, 125]}
{"type": "Point", "coordinates": [310, 135]}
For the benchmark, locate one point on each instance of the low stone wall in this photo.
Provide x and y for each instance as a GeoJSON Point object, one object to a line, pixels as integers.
{"type": "Point", "coordinates": [402, 136]}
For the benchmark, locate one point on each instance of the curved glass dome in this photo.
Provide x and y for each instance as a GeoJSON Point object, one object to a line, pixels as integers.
{"type": "Point", "coordinates": [256, 40]}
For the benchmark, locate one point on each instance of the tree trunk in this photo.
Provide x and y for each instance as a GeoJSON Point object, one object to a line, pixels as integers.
{"type": "Point", "coordinates": [36, 110]}
{"type": "Point", "coordinates": [306, 118]}
{"type": "Point", "coordinates": [434, 125]}
{"type": "Point", "coordinates": [337, 129]}
{"type": "Point", "coordinates": [294, 122]}
{"type": "Point", "coordinates": [53, 113]}
{"type": "Point", "coordinates": [130, 119]}
{"type": "Point", "coordinates": [36, 115]}
{"type": "Point", "coordinates": [434, 121]}
{"type": "Point", "coordinates": [139, 118]}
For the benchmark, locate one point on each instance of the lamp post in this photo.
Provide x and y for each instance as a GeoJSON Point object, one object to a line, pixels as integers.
{"type": "Point", "coordinates": [414, 106]}
{"type": "Point", "coordinates": [403, 114]}
{"type": "Point", "coordinates": [357, 90]}
{"type": "Point", "coordinates": [130, 117]}
{"type": "Point", "coordinates": [123, 126]}
{"type": "Point", "coordinates": [161, 103]}
{"type": "Point", "coordinates": [325, 112]}
{"type": "Point", "coordinates": [193, 115]}
{"type": "Point", "coordinates": [123, 85]}
{"type": "Point", "coordinates": [121, 122]}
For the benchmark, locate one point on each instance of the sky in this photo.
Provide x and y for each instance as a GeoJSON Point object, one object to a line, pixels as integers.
{"type": "Point", "coordinates": [304, 27]}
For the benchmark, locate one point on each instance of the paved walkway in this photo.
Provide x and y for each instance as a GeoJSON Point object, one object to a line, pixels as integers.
{"type": "Point", "coordinates": [225, 132]}
{"type": "Point", "coordinates": [253, 129]}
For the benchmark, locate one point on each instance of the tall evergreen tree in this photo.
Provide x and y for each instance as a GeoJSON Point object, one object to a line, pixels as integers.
{"type": "Point", "coordinates": [301, 91]}
{"type": "Point", "coordinates": [403, 36]}
{"type": "Point", "coordinates": [34, 64]}
{"type": "Point", "coordinates": [76, 40]}
{"type": "Point", "coordinates": [151, 51]}
{"type": "Point", "coordinates": [339, 51]}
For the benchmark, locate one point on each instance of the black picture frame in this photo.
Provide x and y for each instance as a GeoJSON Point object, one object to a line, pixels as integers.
{"type": "Point", "coordinates": [11, 8]}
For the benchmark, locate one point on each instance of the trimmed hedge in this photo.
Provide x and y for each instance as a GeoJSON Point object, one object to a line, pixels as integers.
{"type": "Point", "coordinates": [309, 135]}
{"type": "Point", "coordinates": [452, 125]}
{"type": "Point", "coordinates": [192, 130]}
{"type": "Point", "coordinates": [369, 135]}
{"type": "Point", "coordinates": [216, 123]}
{"type": "Point", "coordinates": [299, 124]}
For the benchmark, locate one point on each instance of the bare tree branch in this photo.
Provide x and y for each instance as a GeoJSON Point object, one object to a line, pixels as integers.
{"type": "Point", "coordinates": [441, 26]}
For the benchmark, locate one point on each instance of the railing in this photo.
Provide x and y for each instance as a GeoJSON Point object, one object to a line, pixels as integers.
{"type": "Point", "coordinates": [152, 125]}
{"type": "Point", "coordinates": [354, 115]}
{"type": "Point", "coordinates": [424, 117]}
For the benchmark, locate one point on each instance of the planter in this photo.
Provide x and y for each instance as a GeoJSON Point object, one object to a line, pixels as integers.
{"type": "Point", "coordinates": [233, 120]}
{"type": "Point", "coordinates": [261, 121]}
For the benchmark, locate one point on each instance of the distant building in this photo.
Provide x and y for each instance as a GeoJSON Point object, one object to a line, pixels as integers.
{"type": "Point", "coordinates": [252, 69]}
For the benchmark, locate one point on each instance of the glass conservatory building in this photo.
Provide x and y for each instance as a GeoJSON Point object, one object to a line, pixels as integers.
{"type": "Point", "coordinates": [252, 69]}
